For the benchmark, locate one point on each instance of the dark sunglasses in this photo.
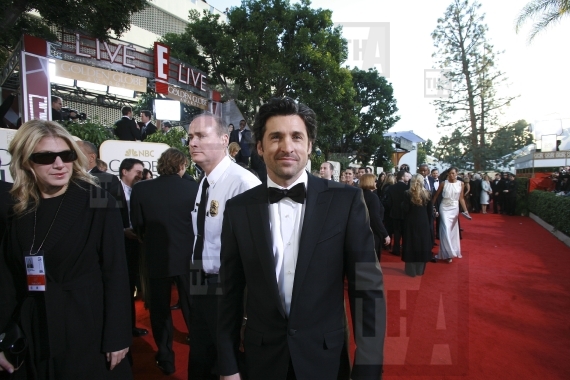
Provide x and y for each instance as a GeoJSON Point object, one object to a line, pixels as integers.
{"type": "Point", "coordinates": [49, 157]}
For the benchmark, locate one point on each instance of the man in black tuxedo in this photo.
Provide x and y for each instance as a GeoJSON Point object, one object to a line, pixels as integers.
{"type": "Point", "coordinates": [395, 196]}
{"type": "Point", "coordinates": [243, 137]}
{"type": "Point", "coordinates": [126, 128]}
{"type": "Point", "coordinates": [149, 128]}
{"type": "Point", "coordinates": [130, 172]}
{"type": "Point", "coordinates": [161, 219]}
{"type": "Point", "coordinates": [294, 267]}
{"type": "Point", "coordinates": [495, 191]}
{"type": "Point", "coordinates": [501, 187]}
{"type": "Point", "coordinates": [429, 186]}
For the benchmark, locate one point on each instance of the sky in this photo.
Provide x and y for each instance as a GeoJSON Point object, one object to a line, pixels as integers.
{"type": "Point", "coordinates": [537, 72]}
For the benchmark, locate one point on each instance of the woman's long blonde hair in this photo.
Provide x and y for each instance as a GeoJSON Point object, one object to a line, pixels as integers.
{"type": "Point", "coordinates": [25, 190]}
{"type": "Point", "coordinates": [418, 194]}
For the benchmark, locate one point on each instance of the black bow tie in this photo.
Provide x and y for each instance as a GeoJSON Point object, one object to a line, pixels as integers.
{"type": "Point", "coordinates": [297, 193]}
{"type": "Point", "coordinates": [436, 180]}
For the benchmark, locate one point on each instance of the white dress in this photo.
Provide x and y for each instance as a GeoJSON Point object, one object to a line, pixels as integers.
{"type": "Point", "coordinates": [449, 245]}
{"type": "Point", "coordinates": [485, 187]}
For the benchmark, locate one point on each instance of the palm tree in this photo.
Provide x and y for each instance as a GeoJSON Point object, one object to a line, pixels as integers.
{"type": "Point", "coordinates": [547, 12]}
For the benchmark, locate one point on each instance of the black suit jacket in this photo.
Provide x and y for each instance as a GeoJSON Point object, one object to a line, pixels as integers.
{"type": "Point", "coordinates": [148, 130]}
{"type": "Point", "coordinates": [395, 197]}
{"type": "Point", "coordinates": [6, 203]}
{"type": "Point", "coordinates": [376, 213]}
{"type": "Point", "coordinates": [110, 183]}
{"type": "Point", "coordinates": [313, 334]}
{"type": "Point", "coordinates": [160, 214]}
{"type": "Point", "coordinates": [245, 142]}
{"type": "Point", "coordinates": [126, 129]}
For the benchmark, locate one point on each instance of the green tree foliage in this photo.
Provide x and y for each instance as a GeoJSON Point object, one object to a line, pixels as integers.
{"type": "Point", "coordinates": [375, 107]}
{"type": "Point", "coordinates": [424, 150]}
{"type": "Point", "coordinates": [97, 18]}
{"type": "Point", "coordinates": [547, 12]}
{"type": "Point", "coordinates": [508, 139]}
{"type": "Point", "coordinates": [272, 48]}
{"type": "Point", "coordinates": [468, 62]}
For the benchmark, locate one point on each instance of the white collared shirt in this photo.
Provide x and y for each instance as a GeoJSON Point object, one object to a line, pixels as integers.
{"type": "Point", "coordinates": [127, 190]}
{"type": "Point", "coordinates": [286, 223]}
{"type": "Point", "coordinates": [227, 180]}
{"type": "Point", "coordinates": [436, 184]}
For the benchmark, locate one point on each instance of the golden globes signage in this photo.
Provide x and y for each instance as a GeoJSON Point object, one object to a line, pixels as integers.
{"type": "Point", "coordinates": [113, 152]}
{"type": "Point", "coordinates": [186, 97]}
{"type": "Point", "coordinates": [85, 73]}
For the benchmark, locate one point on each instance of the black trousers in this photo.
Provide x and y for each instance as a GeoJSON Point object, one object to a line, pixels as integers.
{"type": "Point", "coordinates": [132, 251]}
{"type": "Point", "coordinates": [161, 315]}
{"type": "Point", "coordinates": [398, 230]}
{"type": "Point", "coordinates": [202, 361]}
{"type": "Point", "coordinates": [495, 203]}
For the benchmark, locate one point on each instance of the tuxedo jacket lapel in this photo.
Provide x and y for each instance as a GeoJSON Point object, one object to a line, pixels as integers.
{"type": "Point", "coordinates": [263, 243]}
{"type": "Point", "coordinates": [316, 210]}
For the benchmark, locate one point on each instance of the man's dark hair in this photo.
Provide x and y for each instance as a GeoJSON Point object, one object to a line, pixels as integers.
{"type": "Point", "coordinates": [400, 175]}
{"type": "Point", "coordinates": [127, 164]}
{"type": "Point", "coordinates": [331, 165]}
{"type": "Point", "coordinates": [126, 110]}
{"type": "Point", "coordinates": [434, 170]}
{"type": "Point", "coordinates": [147, 113]}
{"type": "Point", "coordinates": [363, 168]}
{"type": "Point", "coordinates": [55, 98]}
{"type": "Point", "coordinates": [90, 147]}
{"type": "Point", "coordinates": [170, 161]}
{"type": "Point", "coordinates": [284, 107]}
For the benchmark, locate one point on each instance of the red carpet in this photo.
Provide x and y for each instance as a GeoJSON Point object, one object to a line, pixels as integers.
{"type": "Point", "coordinates": [501, 312]}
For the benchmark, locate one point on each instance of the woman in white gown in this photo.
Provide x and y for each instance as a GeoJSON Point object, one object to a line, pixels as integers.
{"type": "Point", "coordinates": [452, 192]}
{"type": "Point", "coordinates": [485, 191]}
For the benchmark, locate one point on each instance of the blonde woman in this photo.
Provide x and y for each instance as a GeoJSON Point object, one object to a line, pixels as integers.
{"type": "Point", "coordinates": [233, 150]}
{"type": "Point", "coordinates": [418, 214]}
{"type": "Point", "coordinates": [67, 232]}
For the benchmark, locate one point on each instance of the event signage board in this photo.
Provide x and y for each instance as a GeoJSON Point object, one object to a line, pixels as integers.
{"type": "Point", "coordinates": [6, 136]}
{"type": "Point", "coordinates": [91, 74]}
{"type": "Point", "coordinates": [113, 152]}
{"type": "Point", "coordinates": [186, 97]}
{"type": "Point", "coordinates": [36, 91]}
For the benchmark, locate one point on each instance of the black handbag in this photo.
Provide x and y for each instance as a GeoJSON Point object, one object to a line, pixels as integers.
{"type": "Point", "coordinates": [14, 344]}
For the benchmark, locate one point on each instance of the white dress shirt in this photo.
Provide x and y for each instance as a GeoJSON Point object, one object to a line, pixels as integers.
{"type": "Point", "coordinates": [286, 223]}
{"type": "Point", "coordinates": [227, 180]}
{"type": "Point", "coordinates": [436, 184]}
{"type": "Point", "coordinates": [128, 190]}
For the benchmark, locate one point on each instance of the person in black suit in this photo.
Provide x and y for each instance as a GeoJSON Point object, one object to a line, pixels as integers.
{"type": "Point", "coordinates": [56, 105]}
{"type": "Point", "coordinates": [375, 211]}
{"type": "Point", "coordinates": [501, 187]}
{"type": "Point", "coordinates": [510, 193]}
{"type": "Point", "coordinates": [243, 137]}
{"type": "Point", "coordinates": [149, 128]}
{"type": "Point", "coordinates": [258, 165]}
{"type": "Point", "coordinates": [428, 184]}
{"type": "Point", "coordinates": [130, 172]}
{"type": "Point", "coordinates": [160, 218]}
{"type": "Point", "coordinates": [126, 128]}
{"type": "Point", "coordinates": [475, 186]}
{"type": "Point", "coordinates": [295, 275]}
{"type": "Point", "coordinates": [107, 181]}
{"type": "Point", "coordinates": [395, 195]}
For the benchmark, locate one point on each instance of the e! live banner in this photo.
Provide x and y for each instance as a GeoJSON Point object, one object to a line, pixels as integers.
{"type": "Point", "coordinates": [77, 71]}
{"type": "Point", "coordinates": [113, 152]}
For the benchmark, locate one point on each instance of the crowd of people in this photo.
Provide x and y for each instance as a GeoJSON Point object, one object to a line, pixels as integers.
{"type": "Point", "coordinates": [413, 212]}
{"type": "Point", "coordinates": [78, 241]}
{"type": "Point", "coordinates": [561, 180]}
